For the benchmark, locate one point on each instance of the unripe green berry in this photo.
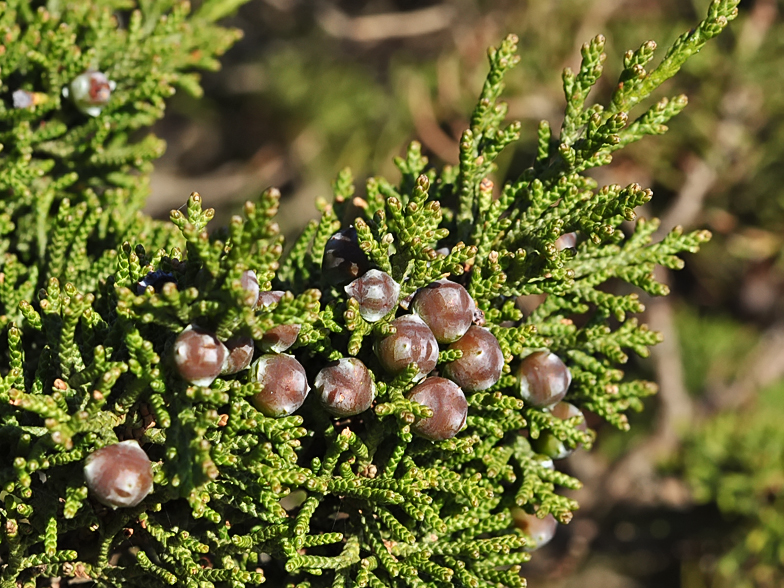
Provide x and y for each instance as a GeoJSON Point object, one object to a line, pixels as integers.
{"type": "Point", "coordinates": [550, 445]}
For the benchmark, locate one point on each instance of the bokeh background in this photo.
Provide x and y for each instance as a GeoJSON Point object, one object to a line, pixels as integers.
{"type": "Point", "coordinates": [694, 495]}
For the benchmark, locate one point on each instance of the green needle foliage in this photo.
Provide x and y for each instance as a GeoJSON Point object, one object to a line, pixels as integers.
{"type": "Point", "coordinates": [741, 468]}
{"type": "Point", "coordinates": [309, 500]}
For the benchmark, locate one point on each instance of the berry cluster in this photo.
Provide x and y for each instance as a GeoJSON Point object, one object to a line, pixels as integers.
{"type": "Point", "coordinates": [198, 354]}
{"type": "Point", "coordinates": [443, 313]}
{"type": "Point", "coordinates": [442, 317]}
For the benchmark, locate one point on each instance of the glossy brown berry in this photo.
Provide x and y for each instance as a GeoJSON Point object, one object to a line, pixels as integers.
{"type": "Point", "coordinates": [544, 379]}
{"type": "Point", "coordinates": [538, 532]}
{"type": "Point", "coordinates": [481, 364]}
{"type": "Point", "coordinates": [199, 356]}
{"type": "Point", "coordinates": [279, 338]}
{"type": "Point", "coordinates": [345, 387]}
{"type": "Point", "coordinates": [550, 445]}
{"type": "Point", "coordinates": [119, 475]}
{"type": "Point", "coordinates": [284, 385]}
{"type": "Point", "coordinates": [412, 342]}
{"type": "Point", "coordinates": [446, 307]}
{"type": "Point", "coordinates": [240, 354]}
{"type": "Point", "coordinates": [376, 292]}
{"type": "Point", "coordinates": [268, 298]}
{"type": "Point", "coordinates": [343, 259]}
{"type": "Point", "coordinates": [449, 406]}
{"type": "Point", "coordinates": [250, 283]}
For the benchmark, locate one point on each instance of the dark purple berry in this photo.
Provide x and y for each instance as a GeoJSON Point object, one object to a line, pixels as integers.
{"type": "Point", "coordinates": [279, 338]}
{"type": "Point", "coordinates": [538, 531]}
{"type": "Point", "coordinates": [268, 298]}
{"type": "Point", "coordinates": [544, 379]}
{"type": "Point", "coordinates": [250, 283]}
{"type": "Point", "coordinates": [240, 354]}
{"type": "Point", "coordinates": [284, 385]}
{"type": "Point", "coordinates": [412, 342]}
{"type": "Point", "coordinates": [119, 475]}
{"type": "Point", "coordinates": [566, 241]}
{"type": "Point", "coordinates": [481, 364]}
{"type": "Point", "coordinates": [199, 356]}
{"type": "Point", "coordinates": [345, 387]}
{"type": "Point", "coordinates": [376, 292]}
{"type": "Point", "coordinates": [344, 260]}
{"type": "Point", "coordinates": [550, 445]}
{"type": "Point", "coordinates": [446, 307]}
{"type": "Point", "coordinates": [449, 406]}
{"type": "Point", "coordinates": [156, 279]}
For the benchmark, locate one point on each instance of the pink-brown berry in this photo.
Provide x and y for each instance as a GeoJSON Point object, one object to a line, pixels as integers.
{"type": "Point", "coordinates": [250, 284]}
{"type": "Point", "coordinates": [376, 292]}
{"type": "Point", "coordinates": [119, 475]}
{"type": "Point", "coordinates": [449, 406]}
{"type": "Point", "coordinates": [538, 531]}
{"type": "Point", "coordinates": [412, 342]}
{"type": "Point", "coordinates": [284, 384]}
{"type": "Point", "coordinates": [544, 379]}
{"type": "Point", "coordinates": [199, 356]}
{"type": "Point", "coordinates": [268, 298]}
{"type": "Point", "coordinates": [482, 362]}
{"type": "Point", "coordinates": [343, 259]}
{"type": "Point", "coordinates": [345, 387]}
{"type": "Point", "coordinates": [240, 354]}
{"type": "Point", "coordinates": [446, 307]}
{"type": "Point", "coordinates": [279, 338]}
{"type": "Point", "coordinates": [566, 241]}
{"type": "Point", "coordinates": [90, 91]}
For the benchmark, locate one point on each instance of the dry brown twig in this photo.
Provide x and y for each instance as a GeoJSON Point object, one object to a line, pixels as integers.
{"type": "Point", "coordinates": [380, 27]}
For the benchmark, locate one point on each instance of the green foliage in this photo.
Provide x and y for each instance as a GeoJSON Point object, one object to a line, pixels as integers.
{"type": "Point", "coordinates": [741, 467]}
{"type": "Point", "coordinates": [88, 359]}
{"type": "Point", "coordinates": [66, 176]}
{"type": "Point", "coordinates": [717, 348]}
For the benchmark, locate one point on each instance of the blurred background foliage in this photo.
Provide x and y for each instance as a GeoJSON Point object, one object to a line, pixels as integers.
{"type": "Point", "coordinates": [694, 497]}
